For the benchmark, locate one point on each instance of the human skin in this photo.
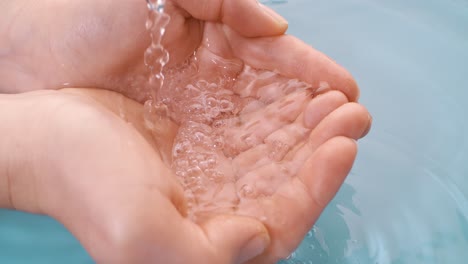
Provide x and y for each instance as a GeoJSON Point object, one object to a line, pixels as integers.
{"type": "Point", "coordinates": [92, 165]}
{"type": "Point", "coordinates": [100, 44]}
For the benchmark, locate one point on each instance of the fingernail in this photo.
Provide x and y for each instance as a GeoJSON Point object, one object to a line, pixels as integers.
{"type": "Point", "coordinates": [253, 248]}
{"type": "Point", "coordinates": [279, 19]}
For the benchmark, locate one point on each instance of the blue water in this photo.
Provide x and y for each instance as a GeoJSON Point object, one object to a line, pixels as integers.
{"type": "Point", "coordinates": [405, 200]}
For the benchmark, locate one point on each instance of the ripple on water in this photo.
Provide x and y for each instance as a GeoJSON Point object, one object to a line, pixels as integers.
{"type": "Point", "coordinates": [421, 219]}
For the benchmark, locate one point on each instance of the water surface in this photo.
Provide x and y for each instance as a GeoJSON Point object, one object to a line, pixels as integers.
{"type": "Point", "coordinates": [405, 200]}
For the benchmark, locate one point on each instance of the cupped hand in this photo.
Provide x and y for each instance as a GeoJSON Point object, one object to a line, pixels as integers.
{"type": "Point", "coordinates": [260, 145]}
{"type": "Point", "coordinates": [95, 167]}
{"type": "Point", "coordinates": [53, 44]}
{"type": "Point", "coordinates": [101, 44]}
{"type": "Point", "coordinates": [91, 164]}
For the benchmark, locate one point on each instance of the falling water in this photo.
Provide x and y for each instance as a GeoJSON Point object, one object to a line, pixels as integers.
{"type": "Point", "coordinates": [156, 56]}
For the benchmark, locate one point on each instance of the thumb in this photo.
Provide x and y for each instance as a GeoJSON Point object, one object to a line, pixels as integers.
{"type": "Point", "coordinates": [247, 17]}
{"type": "Point", "coordinates": [236, 238]}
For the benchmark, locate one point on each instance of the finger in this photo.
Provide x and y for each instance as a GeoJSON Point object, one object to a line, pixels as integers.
{"type": "Point", "coordinates": [263, 181]}
{"type": "Point", "coordinates": [254, 127]}
{"type": "Point", "coordinates": [281, 141]}
{"type": "Point", "coordinates": [350, 120]}
{"type": "Point", "coordinates": [236, 239]}
{"type": "Point", "coordinates": [266, 86]}
{"type": "Point", "coordinates": [305, 197]}
{"type": "Point", "coordinates": [262, 175]}
{"type": "Point", "coordinates": [324, 179]}
{"type": "Point", "coordinates": [316, 110]}
{"type": "Point", "coordinates": [251, 159]}
{"type": "Point", "coordinates": [321, 106]}
{"type": "Point", "coordinates": [247, 17]}
{"type": "Point", "coordinates": [295, 59]}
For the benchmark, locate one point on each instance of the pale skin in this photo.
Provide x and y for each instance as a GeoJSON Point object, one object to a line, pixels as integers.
{"type": "Point", "coordinates": [75, 156]}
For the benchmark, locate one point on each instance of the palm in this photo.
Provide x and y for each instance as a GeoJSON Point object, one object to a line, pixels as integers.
{"type": "Point", "coordinates": [244, 146]}
{"type": "Point", "coordinates": [276, 177]}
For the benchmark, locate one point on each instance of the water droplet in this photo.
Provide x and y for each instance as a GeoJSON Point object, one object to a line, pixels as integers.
{"type": "Point", "coordinates": [218, 142]}
{"type": "Point", "coordinates": [211, 102]}
{"type": "Point", "coordinates": [214, 112]}
{"type": "Point", "coordinates": [199, 136]}
{"type": "Point", "coordinates": [219, 123]}
{"type": "Point", "coordinates": [278, 150]}
{"type": "Point", "coordinates": [156, 5]}
{"type": "Point", "coordinates": [226, 106]}
{"type": "Point", "coordinates": [246, 191]}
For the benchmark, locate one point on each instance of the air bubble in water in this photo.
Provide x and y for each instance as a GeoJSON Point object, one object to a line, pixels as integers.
{"type": "Point", "coordinates": [247, 191]}
{"type": "Point", "coordinates": [226, 105]}
{"type": "Point", "coordinates": [278, 150]}
{"type": "Point", "coordinates": [204, 105]}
